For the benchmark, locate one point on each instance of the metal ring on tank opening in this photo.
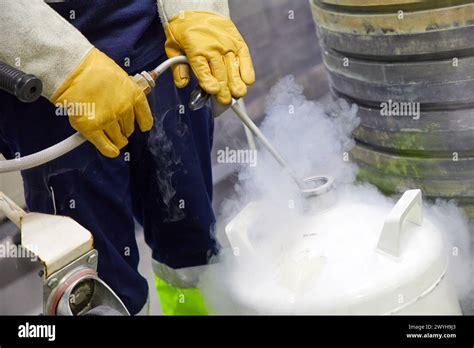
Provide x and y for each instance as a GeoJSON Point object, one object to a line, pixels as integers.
{"type": "Point", "coordinates": [319, 190]}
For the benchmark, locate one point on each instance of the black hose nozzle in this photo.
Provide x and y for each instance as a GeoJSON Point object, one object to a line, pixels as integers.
{"type": "Point", "coordinates": [26, 87]}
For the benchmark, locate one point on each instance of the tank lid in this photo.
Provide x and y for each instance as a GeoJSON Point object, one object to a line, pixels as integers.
{"type": "Point", "coordinates": [354, 258]}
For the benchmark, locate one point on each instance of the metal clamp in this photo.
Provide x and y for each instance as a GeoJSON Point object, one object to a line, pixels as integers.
{"type": "Point", "coordinates": [317, 185]}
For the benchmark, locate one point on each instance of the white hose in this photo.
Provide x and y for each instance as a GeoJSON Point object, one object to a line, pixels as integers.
{"type": "Point", "coordinates": [69, 144]}
{"type": "Point", "coordinates": [160, 69]}
{"type": "Point", "coordinates": [44, 156]}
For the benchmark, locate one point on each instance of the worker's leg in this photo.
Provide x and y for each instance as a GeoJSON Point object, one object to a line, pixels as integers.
{"type": "Point", "coordinates": [84, 185]}
{"type": "Point", "coordinates": [172, 196]}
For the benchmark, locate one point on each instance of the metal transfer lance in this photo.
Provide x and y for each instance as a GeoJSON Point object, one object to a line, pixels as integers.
{"type": "Point", "coordinates": [258, 133]}
{"type": "Point", "coordinates": [311, 186]}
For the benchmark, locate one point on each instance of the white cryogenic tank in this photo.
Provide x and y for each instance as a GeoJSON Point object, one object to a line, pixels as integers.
{"type": "Point", "coordinates": [381, 260]}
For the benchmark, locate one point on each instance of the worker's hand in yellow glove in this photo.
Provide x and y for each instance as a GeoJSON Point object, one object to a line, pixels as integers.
{"type": "Point", "coordinates": [217, 53]}
{"type": "Point", "coordinates": [100, 85]}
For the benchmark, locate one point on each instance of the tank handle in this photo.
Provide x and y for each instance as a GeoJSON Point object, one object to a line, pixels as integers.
{"type": "Point", "coordinates": [408, 207]}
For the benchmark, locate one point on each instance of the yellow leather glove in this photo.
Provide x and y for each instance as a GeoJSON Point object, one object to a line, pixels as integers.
{"type": "Point", "coordinates": [99, 85]}
{"type": "Point", "coordinates": [216, 51]}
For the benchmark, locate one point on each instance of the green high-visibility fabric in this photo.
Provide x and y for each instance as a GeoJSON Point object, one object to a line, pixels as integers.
{"type": "Point", "coordinates": [179, 301]}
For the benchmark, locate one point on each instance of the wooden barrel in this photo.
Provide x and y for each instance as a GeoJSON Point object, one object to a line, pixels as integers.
{"type": "Point", "coordinates": [409, 65]}
{"type": "Point", "coordinates": [383, 5]}
{"type": "Point", "coordinates": [397, 32]}
{"type": "Point", "coordinates": [430, 82]}
{"type": "Point", "coordinates": [434, 134]}
{"type": "Point", "coordinates": [443, 177]}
